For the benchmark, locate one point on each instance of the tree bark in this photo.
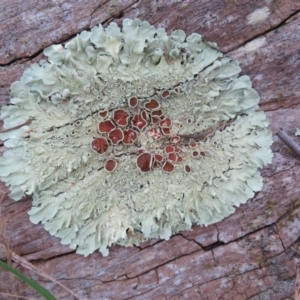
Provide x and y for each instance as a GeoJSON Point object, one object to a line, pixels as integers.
{"type": "Point", "coordinates": [252, 254]}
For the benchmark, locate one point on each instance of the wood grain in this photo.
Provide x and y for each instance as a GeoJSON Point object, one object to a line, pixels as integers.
{"type": "Point", "coordinates": [252, 254]}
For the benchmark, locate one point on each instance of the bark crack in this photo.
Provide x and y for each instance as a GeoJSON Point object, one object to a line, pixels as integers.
{"type": "Point", "coordinates": [280, 25]}
{"type": "Point", "coordinates": [281, 107]}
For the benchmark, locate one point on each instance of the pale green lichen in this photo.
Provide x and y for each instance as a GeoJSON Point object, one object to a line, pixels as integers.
{"type": "Point", "coordinates": [90, 208]}
{"type": "Point", "coordinates": [297, 133]}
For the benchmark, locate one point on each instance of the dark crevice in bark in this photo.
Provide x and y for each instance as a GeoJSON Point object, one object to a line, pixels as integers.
{"type": "Point", "coordinates": [273, 224]}
{"type": "Point", "coordinates": [282, 171]}
{"type": "Point", "coordinates": [141, 247]}
{"type": "Point", "coordinates": [281, 107]}
{"type": "Point", "coordinates": [64, 40]}
{"type": "Point", "coordinates": [40, 260]}
{"type": "Point", "coordinates": [23, 59]}
{"type": "Point", "coordinates": [213, 246]}
{"type": "Point", "coordinates": [128, 277]}
{"type": "Point", "coordinates": [120, 14]}
{"type": "Point", "coordinates": [260, 266]}
{"type": "Point", "coordinates": [262, 263]}
{"type": "Point", "coordinates": [210, 247]}
{"type": "Point", "coordinates": [190, 239]}
{"type": "Point", "coordinates": [98, 7]}
{"type": "Point", "coordinates": [164, 263]}
{"type": "Point", "coordinates": [277, 232]}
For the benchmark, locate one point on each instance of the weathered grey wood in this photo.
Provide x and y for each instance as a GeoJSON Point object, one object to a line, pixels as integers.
{"type": "Point", "coordinates": [252, 254]}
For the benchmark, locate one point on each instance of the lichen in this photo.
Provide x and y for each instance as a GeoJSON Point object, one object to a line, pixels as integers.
{"type": "Point", "coordinates": [122, 135]}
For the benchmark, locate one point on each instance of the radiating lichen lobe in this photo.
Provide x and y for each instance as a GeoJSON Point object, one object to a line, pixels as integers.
{"type": "Point", "coordinates": [142, 126]}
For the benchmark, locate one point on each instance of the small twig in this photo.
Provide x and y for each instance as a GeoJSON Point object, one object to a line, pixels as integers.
{"type": "Point", "coordinates": [15, 127]}
{"type": "Point", "coordinates": [288, 141]}
{"type": "Point", "coordinates": [24, 263]}
{"type": "Point", "coordinates": [208, 133]}
{"type": "Point", "coordinates": [17, 296]}
{"type": "Point", "coordinates": [195, 136]}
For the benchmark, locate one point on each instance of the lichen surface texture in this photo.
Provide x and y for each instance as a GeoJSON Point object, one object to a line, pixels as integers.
{"type": "Point", "coordinates": [125, 134]}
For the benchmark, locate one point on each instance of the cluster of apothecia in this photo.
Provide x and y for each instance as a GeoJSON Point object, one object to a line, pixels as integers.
{"type": "Point", "coordinates": [124, 126]}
